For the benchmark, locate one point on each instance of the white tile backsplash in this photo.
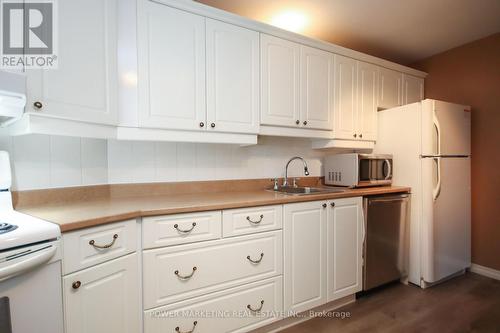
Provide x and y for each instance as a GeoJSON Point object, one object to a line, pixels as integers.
{"type": "Point", "coordinates": [30, 157]}
{"type": "Point", "coordinates": [41, 161]}
{"type": "Point", "coordinates": [65, 161]}
{"type": "Point", "coordinates": [94, 161]}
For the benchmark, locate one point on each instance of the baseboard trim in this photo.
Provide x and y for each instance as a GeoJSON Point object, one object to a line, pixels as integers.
{"type": "Point", "coordinates": [485, 271]}
{"type": "Point", "coordinates": [292, 321]}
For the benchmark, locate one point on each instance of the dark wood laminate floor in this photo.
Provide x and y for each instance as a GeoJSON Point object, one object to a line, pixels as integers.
{"type": "Point", "coordinates": [469, 303]}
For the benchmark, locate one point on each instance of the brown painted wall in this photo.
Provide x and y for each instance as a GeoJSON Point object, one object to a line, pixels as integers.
{"type": "Point", "coordinates": [470, 74]}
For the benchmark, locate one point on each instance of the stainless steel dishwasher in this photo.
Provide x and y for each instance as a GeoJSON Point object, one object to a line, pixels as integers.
{"type": "Point", "coordinates": [386, 246]}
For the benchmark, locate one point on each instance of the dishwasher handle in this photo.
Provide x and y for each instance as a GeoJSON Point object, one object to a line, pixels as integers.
{"type": "Point", "coordinates": [389, 199]}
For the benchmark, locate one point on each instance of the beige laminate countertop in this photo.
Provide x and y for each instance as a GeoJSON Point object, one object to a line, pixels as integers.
{"type": "Point", "coordinates": [92, 212]}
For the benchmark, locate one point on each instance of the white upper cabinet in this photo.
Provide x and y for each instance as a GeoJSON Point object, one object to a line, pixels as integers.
{"type": "Point", "coordinates": [356, 97]}
{"type": "Point", "coordinates": [304, 232]}
{"type": "Point", "coordinates": [390, 88]}
{"type": "Point", "coordinates": [345, 97]}
{"type": "Point", "coordinates": [296, 85]}
{"type": "Point", "coordinates": [171, 51]}
{"type": "Point", "coordinates": [232, 78]}
{"type": "Point", "coordinates": [280, 67]}
{"type": "Point", "coordinates": [316, 88]}
{"type": "Point", "coordinates": [84, 86]}
{"type": "Point", "coordinates": [413, 89]}
{"type": "Point", "coordinates": [196, 73]}
{"type": "Point", "coordinates": [345, 236]}
{"type": "Point", "coordinates": [366, 122]}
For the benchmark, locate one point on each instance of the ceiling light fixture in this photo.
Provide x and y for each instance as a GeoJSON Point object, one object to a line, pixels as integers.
{"type": "Point", "coordinates": [291, 20]}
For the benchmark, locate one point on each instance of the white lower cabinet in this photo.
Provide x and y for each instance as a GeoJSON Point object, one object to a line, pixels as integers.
{"type": "Point", "coordinates": [323, 247]}
{"type": "Point", "coordinates": [238, 283]}
{"type": "Point", "coordinates": [304, 272]}
{"type": "Point", "coordinates": [238, 309]}
{"type": "Point", "coordinates": [345, 236]}
{"type": "Point", "coordinates": [104, 298]}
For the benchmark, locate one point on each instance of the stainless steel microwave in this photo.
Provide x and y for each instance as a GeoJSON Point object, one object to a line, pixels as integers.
{"type": "Point", "coordinates": [358, 170]}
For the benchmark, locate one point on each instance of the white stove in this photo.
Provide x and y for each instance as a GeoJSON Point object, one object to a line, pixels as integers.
{"type": "Point", "coordinates": [30, 267]}
{"type": "Point", "coordinates": [20, 230]}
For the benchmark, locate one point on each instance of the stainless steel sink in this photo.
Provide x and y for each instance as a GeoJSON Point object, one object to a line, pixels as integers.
{"type": "Point", "coordinates": [307, 190]}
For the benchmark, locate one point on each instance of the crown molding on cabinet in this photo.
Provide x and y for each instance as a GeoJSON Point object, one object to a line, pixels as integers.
{"type": "Point", "coordinates": [218, 14]}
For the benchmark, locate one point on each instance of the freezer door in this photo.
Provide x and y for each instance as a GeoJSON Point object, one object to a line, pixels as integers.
{"type": "Point", "coordinates": [446, 217]}
{"type": "Point", "coordinates": [445, 128]}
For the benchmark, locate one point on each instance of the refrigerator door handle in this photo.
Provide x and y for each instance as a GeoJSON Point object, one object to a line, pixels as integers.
{"type": "Point", "coordinates": [437, 190]}
{"type": "Point", "coordinates": [446, 156]}
{"type": "Point", "coordinates": [438, 131]}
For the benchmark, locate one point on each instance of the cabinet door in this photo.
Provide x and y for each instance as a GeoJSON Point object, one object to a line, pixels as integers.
{"type": "Point", "coordinates": [84, 86]}
{"type": "Point", "coordinates": [366, 122]}
{"type": "Point", "coordinates": [304, 255]}
{"type": "Point", "coordinates": [390, 94]}
{"type": "Point", "coordinates": [413, 89]}
{"type": "Point", "coordinates": [345, 247]}
{"type": "Point", "coordinates": [232, 78]}
{"type": "Point", "coordinates": [279, 82]}
{"type": "Point", "coordinates": [104, 298]}
{"type": "Point", "coordinates": [171, 51]}
{"type": "Point", "coordinates": [316, 88]}
{"type": "Point", "coordinates": [345, 98]}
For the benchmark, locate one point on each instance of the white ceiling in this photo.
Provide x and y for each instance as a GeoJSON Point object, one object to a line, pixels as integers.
{"type": "Point", "coordinates": [399, 30]}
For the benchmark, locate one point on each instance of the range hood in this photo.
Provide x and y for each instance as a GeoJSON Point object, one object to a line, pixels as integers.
{"type": "Point", "coordinates": [12, 97]}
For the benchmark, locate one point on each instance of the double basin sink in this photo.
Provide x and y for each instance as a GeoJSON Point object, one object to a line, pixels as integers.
{"type": "Point", "coordinates": [303, 190]}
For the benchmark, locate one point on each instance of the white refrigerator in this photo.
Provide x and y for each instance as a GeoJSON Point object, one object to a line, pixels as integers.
{"type": "Point", "coordinates": [430, 143]}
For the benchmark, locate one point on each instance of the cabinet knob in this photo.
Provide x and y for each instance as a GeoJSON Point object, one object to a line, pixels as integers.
{"type": "Point", "coordinates": [202, 124]}
{"type": "Point", "coordinates": [361, 135]}
{"type": "Point", "coordinates": [354, 135]}
{"type": "Point", "coordinates": [324, 205]}
{"type": "Point", "coordinates": [297, 121]}
{"type": "Point", "coordinates": [305, 122]}
{"type": "Point", "coordinates": [212, 125]}
{"type": "Point", "coordinates": [76, 284]}
{"type": "Point", "coordinates": [38, 105]}
{"type": "Point", "coordinates": [332, 204]}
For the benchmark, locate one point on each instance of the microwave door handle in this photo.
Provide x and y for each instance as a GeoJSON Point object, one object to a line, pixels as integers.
{"type": "Point", "coordinates": [389, 169]}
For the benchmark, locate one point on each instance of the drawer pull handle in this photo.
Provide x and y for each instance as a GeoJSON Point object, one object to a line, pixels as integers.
{"type": "Point", "coordinates": [107, 246]}
{"type": "Point", "coordinates": [178, 330]}
{"type": "Point", "coordinates": [256, 261]}
{"type": "Point", "coordinates": [186, 231]}
{"type": "Point", "coordinates": [185, 277]}
{"type": "Point", "coordinates": [255, 222]}
{"type": "Point", "coordinates": [249, 307]}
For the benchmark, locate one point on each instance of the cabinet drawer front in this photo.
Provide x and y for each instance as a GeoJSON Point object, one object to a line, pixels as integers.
{"type": "Point", "coordinates": [250, 220]}
{"type": "Point", "coordinates": [180, 272]}
{"type": "Point", "coordinates": [88, 247]}
{"type": "Point", "coordinates": [226, 303]}
{"type": "Point", "coordinates": [158, 231]}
